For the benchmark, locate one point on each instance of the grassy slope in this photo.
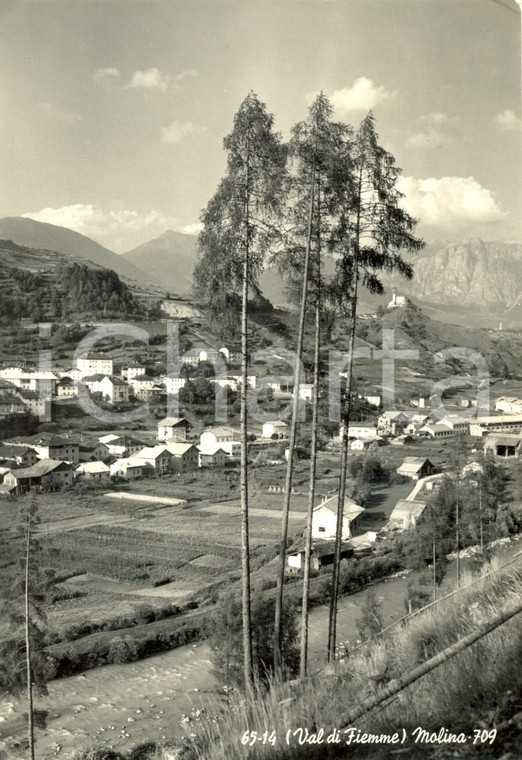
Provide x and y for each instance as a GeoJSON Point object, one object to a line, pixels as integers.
{"type": "Point", "coordinates": [479, 688]}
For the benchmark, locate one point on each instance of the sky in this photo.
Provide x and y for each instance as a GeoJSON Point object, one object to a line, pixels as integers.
{"type": "Point", "coordinates": [113, 113]}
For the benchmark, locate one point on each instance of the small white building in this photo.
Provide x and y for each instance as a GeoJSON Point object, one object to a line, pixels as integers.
{"type": "Point", "coordinates": [212, 457]}
{"type": "Point", "coordinates": [305, 391]}
{"type": "Point", "coordinates": [130, 468]}
{"type": "Point", "coordinates": [277, 428]}
{"type": "Point", "coordinates": [173, 428]}
{"type": "Point", "coordinates": [416, 468]}
{"type": "Point", "coordinates": [324, 519]}
{"type": "Point", "coordinates": [93, 471]}
{"type": "Point", "coordinates": [363, 444]}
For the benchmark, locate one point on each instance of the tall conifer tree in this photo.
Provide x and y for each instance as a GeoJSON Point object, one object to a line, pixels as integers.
{"type": "Point", "coordinates": [374, 232]}
{"type": "Point", "coordinates": [239, 228]}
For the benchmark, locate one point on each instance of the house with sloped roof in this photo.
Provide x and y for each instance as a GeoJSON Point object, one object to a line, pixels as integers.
{"type": "Point", "coordinates": [47, 473]}
{"type": "Point", "coordinates": [185, 456]}
{"type": "Point", "coordinates": [173, 428]}
{"type": "Point", "coordinates": [405, 514]}
{"type": "Point", "coordinates": [227, 437]}
{"type": "Point", "coordinates": [392, 422]}
{"type": "Point", "coordinates": [114, 389]}
{"type": "Point", "coordinates": [212, 457]}
{"type": "Point", "coordinates": [158, 457]}
{"type": "Point", "coordinates": [17, 456]}
{"type": "Point", "coordinates": [130, 468]}
{"type": "Point", "coordinates": [324, 518]}
{"type": "Point", "coordinates": [123, 445]}
{"type": "Point", "coordinates": [93, 471]}
{"type": "Point", "coordinates": [416, 468]}
{"type": "Point", "coordinates": [51, 446]}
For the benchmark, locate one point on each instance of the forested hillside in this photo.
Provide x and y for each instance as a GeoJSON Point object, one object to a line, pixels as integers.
{"type": "Point", "coordinates": [64, 292]}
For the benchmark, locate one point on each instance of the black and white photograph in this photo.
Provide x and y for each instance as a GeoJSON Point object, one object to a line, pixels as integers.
{"type": "Point", "coordinates": [260, 380]}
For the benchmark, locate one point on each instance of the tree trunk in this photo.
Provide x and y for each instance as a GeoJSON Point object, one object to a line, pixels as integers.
{"type": "Point", "coordinates": [345, 419]}
{"type": "Point", "coordinates": [245, 539]}
{"type": "Point", "coordinates": [30, 725]}
{"type": "Point", "coordinates": [303, 665]}
{"type": "Point", "coordinates": [291, 442]}
{"type": "Point", "coordinates": [457, 533]}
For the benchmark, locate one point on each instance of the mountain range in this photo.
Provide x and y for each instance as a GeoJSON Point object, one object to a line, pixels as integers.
{"type": "Point", "coordinates": [473, 277]}
{"type": "Point", "coordinates": [31, 234]}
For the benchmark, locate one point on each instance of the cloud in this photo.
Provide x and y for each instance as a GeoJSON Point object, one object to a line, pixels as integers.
{"type": "Point", "coordinates": [449, 202]}
{"type": "Point", "coordinates": [508, 120]}
{"type": "Point", "coordinates": [154, 79]}
{"type": "Point", "coordinates": [363, 95]}
{"type": "Point", "coordinates": [178, 130]}
{"type": "Point", "coordinates": [106, 76]}
{"type": "Point", "coordinates": [52, 113]}
{"type": "Point", "coordinates": [192, 229]}
{"type": "Point", "coordinates": [435, 131]}
{"type": "Point", "coordinates": [117, 229]}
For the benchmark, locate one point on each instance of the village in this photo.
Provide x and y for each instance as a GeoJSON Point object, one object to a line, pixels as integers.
{"type": "Point", "coordinates": [125, 458]}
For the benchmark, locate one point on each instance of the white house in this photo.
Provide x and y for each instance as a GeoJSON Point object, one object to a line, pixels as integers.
{"type": "Point", "coordinates": [66, 388]}
{"type": "Point", "coordinates": [158, 457]}
{"type": "Point", "coordinates": [228, 439]}
{"type": "Point", "coordinates": [130, 370]}
{"type": "Point", "coordinates": [508, 405]}
{"type": "Point", "coordinates": [72, 372]}
{"type": "Point", "coordinates": [392, 423]}
{"type": "Point", "coordinates": [405, 514]}
{"type": "Point", "coordinates": [114, 389]}
{"type": "Point", "coordinates": [212, 457]}
{"type": "Point", "coordinates": [373, 400]}
{"type": "Point", "coordinates": [129, 468]}
{"type": "Point", "coordinates": [184, 456]}
{"type": "Point", "coordinates": [174, 384]}
{"type": "Point", "coordinates": [95, 364]}
{"type": "Point", "coordinates": [359, 431]}
{"type": "Point", "coordinates": [362, 444]}
{"type": "Point", "coordinates": [305, 391]}
{"type": "Point", "coordinates": [93, 471]}
{"type": "Point", "coordinates": [324, 519]}
{"type": "Point", "coordinates": [122, 445]}
{"type": "Point", "coordinates": [173, 428]}
{"type": "Point", "coordinates": [277, 428]}
{"type": "Point", "coordinates": [31, 380]}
